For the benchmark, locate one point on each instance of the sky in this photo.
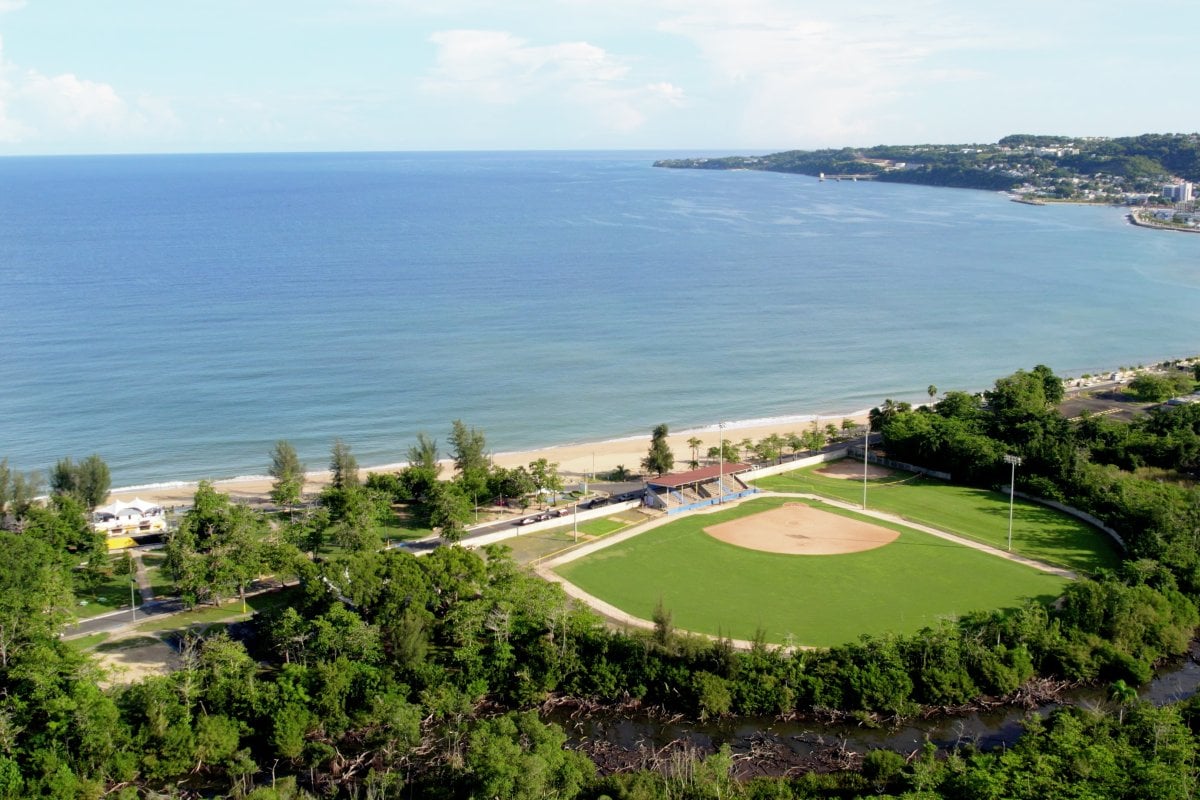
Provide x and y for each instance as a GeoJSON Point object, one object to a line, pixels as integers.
{"type": "Point", "coordinates": [721, 76]}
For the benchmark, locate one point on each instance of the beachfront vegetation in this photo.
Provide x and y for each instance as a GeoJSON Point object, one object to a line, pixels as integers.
{"type": "Point", "coordinates": [387, 675]}
{"type": "Point", "coordinates": [343, 466]}
{"type": "Point", "coordinates": [88, 481]}
{"type": "Point", "coordinates": [726, 451]}
{"type": "Point", "coordinates": [219, 549]}
{"type": "Point", "coordinates": [288, 474]}
{"type": "Point", "coordinates": [17, 491]}
{"type": "Point", "coordinates": [1153, 387]}
{"type": "Point", "coordinates": [659, 459]}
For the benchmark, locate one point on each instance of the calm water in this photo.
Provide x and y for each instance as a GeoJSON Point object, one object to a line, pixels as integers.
{"type": "Point", "coordinates": [178, 314]}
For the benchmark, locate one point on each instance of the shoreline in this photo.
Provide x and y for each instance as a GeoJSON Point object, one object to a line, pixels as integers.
{"type": "Point", "coordinates": [575, 460]}
{"type": "Point", "coordinates": [1134, 219]}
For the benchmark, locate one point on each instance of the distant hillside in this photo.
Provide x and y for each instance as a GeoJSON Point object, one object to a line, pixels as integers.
{"type": "Point", "coordinates": [1064, 167]}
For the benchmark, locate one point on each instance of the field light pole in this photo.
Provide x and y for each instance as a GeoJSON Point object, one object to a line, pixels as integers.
{"type": "Point", "coordinates": [1015, 461]}
{"type": "Point", "coordinates": [866, 447]}
{"type": "Point", "coordinates": [721, 461]}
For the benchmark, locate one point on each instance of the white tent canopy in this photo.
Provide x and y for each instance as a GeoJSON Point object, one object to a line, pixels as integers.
{"type": "Point", "coordinates": [134, 508]}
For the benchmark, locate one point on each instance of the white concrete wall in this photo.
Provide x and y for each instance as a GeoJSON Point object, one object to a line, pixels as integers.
{"type": "Point", "coordinates": [788, 466]}
{"type": "Point", "coordinates": [555, 522]}
{"type": "Point", "coordinates": [1074, 512]}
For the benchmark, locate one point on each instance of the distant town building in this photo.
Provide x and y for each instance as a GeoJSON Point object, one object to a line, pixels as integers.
{"type": "Point", "coordinates": [1178, 192]}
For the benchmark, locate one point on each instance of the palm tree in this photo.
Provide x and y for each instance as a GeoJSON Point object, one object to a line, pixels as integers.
{"type": "Point", "coordinates": [1123, 695]}
{"type": "Point", "coordinates": [695, 443]}
{"type": "Point", "coordinates": [932, 392]}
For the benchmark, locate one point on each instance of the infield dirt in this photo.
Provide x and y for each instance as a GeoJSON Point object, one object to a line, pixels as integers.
{"type": "Point", "coordinates": [799, 529]}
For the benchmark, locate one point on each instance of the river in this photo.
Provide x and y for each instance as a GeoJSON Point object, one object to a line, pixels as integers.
{"type": "Point", "coordinates": [769, 746]}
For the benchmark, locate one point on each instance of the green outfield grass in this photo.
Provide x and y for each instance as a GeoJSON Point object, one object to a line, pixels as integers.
{"type": "Point", "coordinates": [1039, 532]}
{"type": "Point", "coordinates": [721, 589]}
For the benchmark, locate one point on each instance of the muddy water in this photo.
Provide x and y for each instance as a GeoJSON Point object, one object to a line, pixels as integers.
{"type": "Point", "coordinates": [774, 747]}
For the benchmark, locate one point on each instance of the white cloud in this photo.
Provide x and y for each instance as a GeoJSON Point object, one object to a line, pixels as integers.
{"type": "Point", "coordinates": [61, 109]}
{"type": "Point", "coordinates": [11, 5]}
{"type": "Point", "coordinates": [498, 68]}
{"type": "Point", "coordinates": [827, 76]}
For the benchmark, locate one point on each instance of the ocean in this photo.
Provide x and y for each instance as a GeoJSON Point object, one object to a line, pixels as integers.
{"type": "Point", "coordinates": [179, 314]}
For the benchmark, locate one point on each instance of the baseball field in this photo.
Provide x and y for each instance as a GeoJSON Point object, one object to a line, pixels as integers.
{"type": "Point", "coordinates": [1038, 532]}
{"type": "Point", "coordinates": [803, 573]}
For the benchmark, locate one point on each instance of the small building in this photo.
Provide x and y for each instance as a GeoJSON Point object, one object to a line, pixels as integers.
{"type": "Point", "coordinates": [682, 491]}
{"type": "Point", "coordinates": [1178, 192]}
{"type": "Point", "coordinates": [127, 524]}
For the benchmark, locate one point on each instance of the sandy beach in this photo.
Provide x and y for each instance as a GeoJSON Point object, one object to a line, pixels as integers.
{"type": "Point", "coordinates": [575, 461]}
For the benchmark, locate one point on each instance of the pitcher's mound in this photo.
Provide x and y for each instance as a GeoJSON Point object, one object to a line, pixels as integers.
{"type": "Point", "coordinates": [799, 529]}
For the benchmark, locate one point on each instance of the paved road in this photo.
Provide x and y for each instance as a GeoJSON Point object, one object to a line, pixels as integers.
{"type": "Point", "coordinates": [430, 542]}
{"type": "Point", "coordinates": [116, 620]}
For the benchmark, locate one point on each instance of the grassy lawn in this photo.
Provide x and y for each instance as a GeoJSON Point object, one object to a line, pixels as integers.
{"type": "Point", "coordinates": [402, 528]}
{"type": "Point", "coordinates": [87, 642]}
{"type": "Point", "coordinates": [229, 611]}
{"type": "Point", "coordinates": [129, 643]}
{"type": "Point", "coordinates": [111, 595]}
{"type": "Point", "coordinates": [721, 589]}
{"type": "Point", "coordinates": [532, 546]}
{"type": "Point", "coordinates": [1039, 532]}
{"type": "Point", "coordinates": [398, 528]}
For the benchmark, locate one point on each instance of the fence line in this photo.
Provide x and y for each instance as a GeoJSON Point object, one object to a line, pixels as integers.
{"type": "Point", "coordinates": [1074, 512]}
{"type": "Point", "coordinates": [887, 462]}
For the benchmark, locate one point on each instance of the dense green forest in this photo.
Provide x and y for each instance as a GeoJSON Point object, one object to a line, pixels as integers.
{"type": "Point", "coordinates": [1126, 164]}
{"type": "Point", "coordinates": [391, 675]}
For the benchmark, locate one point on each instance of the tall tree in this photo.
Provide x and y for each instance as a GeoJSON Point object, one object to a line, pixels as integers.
{"type": "Point", "coordinates": [288, 473]}
{"type": "Point", "coordinates": [470, 457]}
{"type": "Point", "coordinates": [694, 443]}
{"type": "Point", "coordinates": [424, 454]}
{"type": "Point", "coordinates": [343, 466]}
{"type": "Point", "coordinates": [35, 594]}
{"type": "Point", "coordinates": [449, 511]}
{"type": "Point", "coordinates": [94, 481]}
{"type": "Point", "coordinates": [88, 481]}
{"type": "Point", "coordinates": [62, 476]}
{"type": "Point", "coordinates": [545, 476]}
{"type": "Point", "coordinates": [727, 451]}
{"type": "Point", "coordinates": [659, 458]}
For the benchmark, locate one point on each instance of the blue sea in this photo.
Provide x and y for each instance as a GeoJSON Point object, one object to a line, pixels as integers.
{"type": "Point", "coordinates": [179, 314]}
